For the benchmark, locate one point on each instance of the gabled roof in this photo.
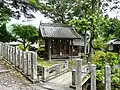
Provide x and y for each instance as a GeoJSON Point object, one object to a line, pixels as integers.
{"type": "Point", "coordinates": [113, 41]}
{"type": "Point", "coordinates": [48, 30]}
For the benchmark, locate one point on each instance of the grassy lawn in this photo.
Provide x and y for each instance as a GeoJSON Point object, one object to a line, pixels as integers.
{"type": "Point", "coordinates": [45, 63]}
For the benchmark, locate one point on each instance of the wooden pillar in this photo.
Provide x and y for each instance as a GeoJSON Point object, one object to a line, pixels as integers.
{"type": "Point", "coordinates": [50, 49]}
{"type": "Point", "coordinates": [71, 49]}
{"type": "Point", "coordinates": [60, 47]}
{"type": "Point", "coordinates": [65, 48]}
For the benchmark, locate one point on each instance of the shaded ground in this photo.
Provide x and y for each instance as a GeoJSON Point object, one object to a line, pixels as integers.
{"type": "Point", "coordinates": [13, 80]}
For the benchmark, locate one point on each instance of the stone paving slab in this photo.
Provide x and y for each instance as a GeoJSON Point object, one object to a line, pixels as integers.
{"type": "Point", "coordinates": [60, 83]}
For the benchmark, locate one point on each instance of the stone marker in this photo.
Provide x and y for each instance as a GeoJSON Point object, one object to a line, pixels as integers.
{"type": "Point", "coordinates": [66, 64]}
{"type": "Point", "coordinates": [8, 57]}
{"type": "Point", "coordinates": [93, 77]}
{"type": "Point", "coordinates": [13, 55]}
{"type": "Point", "coordinates": [6, 51]}
{"type": "Point", "coordinates": [25, 62]}
{"type": "Point", "coordinates": [34, 65]}
{"type": "Point", "coordinates": [107, 77]}
{"type": "Point", "coordinates": [0, 49]}
{"type": "Point", "coordinates": [44, 73]}
{"type": "Point", "coordinates": [74, 77]}
{"type": "Point", "coordinates": [29, 63]}
{"type": "Point", "coordinates": [78, 74]}
{"type": "Point", "coordinates": [10, 54]}
{"type": "Point", "coordinates": [21, 60]}
{"type": "Point", "coordinates": [16, 57]}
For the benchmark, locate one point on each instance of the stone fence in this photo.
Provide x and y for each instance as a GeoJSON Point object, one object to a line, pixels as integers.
{"type": "Point", "coordinates": [25, 62]}
{"type": "Point", "coordinates": [47, 73]}
{"type": "Point", "coordinates": [90, 71]}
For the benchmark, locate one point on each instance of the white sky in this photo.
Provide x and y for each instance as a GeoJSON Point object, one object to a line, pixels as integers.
{"type": "Point", "coordinates": [40, 17]}
{"type": "Point", "coordinates": [35, 22]}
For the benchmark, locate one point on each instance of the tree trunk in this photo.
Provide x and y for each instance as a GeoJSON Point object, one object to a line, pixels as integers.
{"type": "Point", "coordinates": [24, 45]}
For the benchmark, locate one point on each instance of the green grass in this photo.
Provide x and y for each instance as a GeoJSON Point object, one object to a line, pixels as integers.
{"type": "Point", "coordinates": [45, 63]}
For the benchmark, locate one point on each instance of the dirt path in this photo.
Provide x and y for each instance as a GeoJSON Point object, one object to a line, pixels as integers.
{"type": "Point", "coordinates": [10, 79]}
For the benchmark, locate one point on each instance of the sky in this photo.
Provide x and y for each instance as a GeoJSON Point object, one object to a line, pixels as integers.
{"type": "Point", "coordinates": [40, 17]}
{"type": "Point", "coordinates": [35, 22]}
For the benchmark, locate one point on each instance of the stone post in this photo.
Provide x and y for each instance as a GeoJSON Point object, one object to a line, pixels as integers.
{"type": "Point", "coordinates": [10, 54]}
{"type": "Point", "coordinates": [25, 62]}
{"type": "Point", "coordinates": [93, 77]}
{"type": "Point", "coordinates": [17, 51]}
{"type": "Point", "coordinates": [50, 47]}
{"type": "Point", "coordinates": [73, 77]}
{"type": "Point", "coordinates": [44, 73]}
{"type": "Point", "coordinates": [107, 77]}
{"type": "Point", "coordinates": [79, 74]}
{"type": "Point", "coordinates": [34, 65]}
{"type": "Point", "coordinates": [2, 50]}
{"type": "Point", "coordinates": [6, 51]}
{"type": "Point", "coordinates": [66, 64]}
{"type": "Point", "coordinates": [18, 58]}
{"type": "Point", "coordinates": [21, 60]}
{"type": "Point", "coordinates": [29, 63]}
{"type": "Point", "coordinates": [13, 55]}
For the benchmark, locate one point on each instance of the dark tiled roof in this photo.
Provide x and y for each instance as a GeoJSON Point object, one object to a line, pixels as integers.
{"type": "Point", "coordinates": [113, 41]}
{"type": "Point", "coordinates": [58, 31]}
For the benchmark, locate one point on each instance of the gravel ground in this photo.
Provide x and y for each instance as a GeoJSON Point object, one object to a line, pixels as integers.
{"type": "Point", "coordinates": [13, 80]}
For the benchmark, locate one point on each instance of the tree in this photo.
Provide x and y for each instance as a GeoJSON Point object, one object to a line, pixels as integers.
{"type": "Point", "coordinates": [100, 24]}
{"type": "Point", "coordinates": [4, 14]}
{"type": "Point", "coordinates": [5, 36]}
{"type": "Point", "coordinates": [61, 11]}
{"type": "Point", "coordinates": [26, 33]}
{"type": "Point", "coordinates": [115, 28]}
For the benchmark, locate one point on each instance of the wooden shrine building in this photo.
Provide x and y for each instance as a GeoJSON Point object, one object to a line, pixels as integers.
{"type": "Point", "coordinates": [58, 40]}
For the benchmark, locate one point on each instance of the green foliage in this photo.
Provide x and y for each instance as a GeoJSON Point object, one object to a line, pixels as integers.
{"type": "Point", "coordinates": [45, 63]}
{"type": "Point", "coordinates": [61, 11]}
{"type": "Point", "coordinates": [4, 14]}
{"type": "Point", "coordinates": [100, 58]}
{"type": "Point", "coordinates": [21, 47]}
{"type": "Point", "coordinates": [95, 24]}
{"type": "Point", "coordinates": [27, 33]}
{"type": "Point", "coordinates": [100, 43]}
{"type": "Point", "coordinates": [5, 36]}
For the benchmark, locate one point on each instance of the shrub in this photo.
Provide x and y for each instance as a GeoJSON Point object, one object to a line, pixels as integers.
{"type": "Point", "coordinates": [100, 58]}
